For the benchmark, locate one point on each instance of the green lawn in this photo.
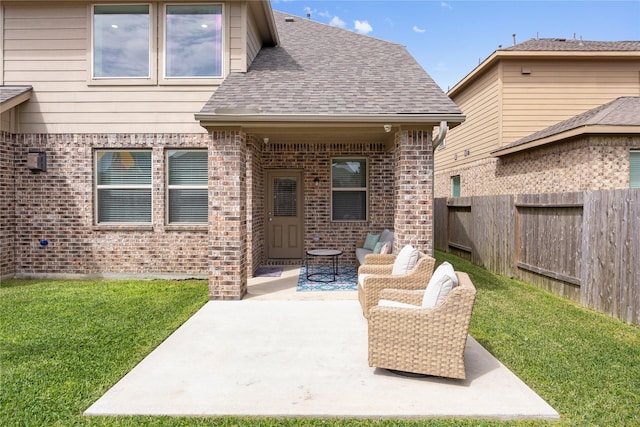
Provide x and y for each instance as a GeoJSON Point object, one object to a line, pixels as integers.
{"type": "Point", "coordinates": [64, 343]}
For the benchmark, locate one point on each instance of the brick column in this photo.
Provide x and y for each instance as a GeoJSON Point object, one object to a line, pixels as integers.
{"type": "Point", "coordinates": [413, 171]}
{"type": "Point", "coordinates": [227, 215]}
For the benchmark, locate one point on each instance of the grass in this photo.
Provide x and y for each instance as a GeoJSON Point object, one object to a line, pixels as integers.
{"type": "Point", "coordinates": [64, 343]}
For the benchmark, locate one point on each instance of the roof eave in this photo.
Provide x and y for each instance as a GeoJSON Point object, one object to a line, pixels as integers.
{"type": "Point", "coordinates": [15, 101]}
{"type": "Point", "coordinates": [571, 133]}
{"type": "Point", "coordinates": [263, 120]}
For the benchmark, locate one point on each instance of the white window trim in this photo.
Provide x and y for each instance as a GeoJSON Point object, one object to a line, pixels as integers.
{"type": "Point", "coordinates": [364, 189]}
{"type": "Point", "coordinates": [153, 54]}
{"type": "Point", "coordinates": [97, 187]}
{"type": "Point", "coordinates": [169, 187]}
{"type": "Point", "coordinates": [168, 81]}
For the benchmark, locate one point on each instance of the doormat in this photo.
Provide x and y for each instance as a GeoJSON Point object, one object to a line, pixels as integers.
{"type": "Point", "coordinates": [263, 271]}
{"type": "Point", "coordinates": [346, 279]}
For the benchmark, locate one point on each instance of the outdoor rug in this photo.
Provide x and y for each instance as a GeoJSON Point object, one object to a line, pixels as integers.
{"type": "Point", "coordinates": [346, 279]}
{"type": "Point", "coordinates": [263, 271]}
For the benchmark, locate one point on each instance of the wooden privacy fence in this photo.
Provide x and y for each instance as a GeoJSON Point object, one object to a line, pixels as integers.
{"type": "Point", "coordinates": [583, 246]}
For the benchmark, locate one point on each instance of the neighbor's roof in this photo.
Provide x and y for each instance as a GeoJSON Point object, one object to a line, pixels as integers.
{"type": "Point", "coordinates": [319, 72]}
{"type": "Point", "coordinates": [10, 96]}
{"type": "Point", "coordinates": [573, 45]}
{"type": "Point", "coordinates": [553, 48]}
{"type": "Point", "coordinates": [621, 115]}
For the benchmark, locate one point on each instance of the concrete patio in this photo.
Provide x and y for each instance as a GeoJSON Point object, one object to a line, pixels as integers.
{"type": "Point", "coordinates": [283, 353]}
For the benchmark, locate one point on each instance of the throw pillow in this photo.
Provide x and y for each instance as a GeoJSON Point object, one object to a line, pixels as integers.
{"type": "Point", "coordinates": [378, 248]}
{"type": "Point", "coordinates": [405, 261]}
{"type": "Point", "coordinates": [371, 240]}
{"type": "Point", "coordinates": [386, 248]}
{"type": "Point", "coordinates": [442, 281]}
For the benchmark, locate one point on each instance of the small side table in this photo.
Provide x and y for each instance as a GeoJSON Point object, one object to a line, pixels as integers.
{"type": "Point", "coordinates": [329, 253]}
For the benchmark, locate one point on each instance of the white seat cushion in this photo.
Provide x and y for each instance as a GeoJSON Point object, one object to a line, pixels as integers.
{"type": "Point", "coordinates": [405, 261]}
{"type": "Point", "coordinates": [442, 281]}
{"type": "Point", "coordinates": [391, 303]}
{"type": "Point", "coordinates": [361, 253]}
{"type": "Point", "coordinates": [361, 278]}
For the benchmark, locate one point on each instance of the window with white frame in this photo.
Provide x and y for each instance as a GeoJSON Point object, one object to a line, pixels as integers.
{"type": "Point", "coordinates": [349, 190]}
{"type": "Point", "coordinates": [123, 186]}
{"type": "Point", "coordinates": [193, 41]}
{"type": "Point", "coordinates": [121, 40]}
{"type": "Point", "coordinates": [187, 190]}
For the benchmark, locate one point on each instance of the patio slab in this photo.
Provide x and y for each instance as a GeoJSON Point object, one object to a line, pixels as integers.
{"type": "Point", "coordinates": [305, 359]}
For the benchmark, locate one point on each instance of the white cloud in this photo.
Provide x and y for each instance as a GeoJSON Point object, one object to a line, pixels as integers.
{"type": "Point", "coordinates": [445, 5]}
{"type": "Point", "coordinates": [337, 22]}
{"type": "Point", "coordinates": [362, 27]}
{"type": "Point", "coordinates": [417, 29]}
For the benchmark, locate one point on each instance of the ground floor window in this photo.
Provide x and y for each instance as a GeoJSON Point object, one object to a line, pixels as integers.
{"type": "Point", "coordinates": [187, 187]}
{"type": "Point", "coordinates": [634, 169]}
{"type": "Point", "coordinates": [349, 190]}
{"type": "Point", "coordinates": [123, 186]}
{"type": "Point", "coordinates": [455, 186]}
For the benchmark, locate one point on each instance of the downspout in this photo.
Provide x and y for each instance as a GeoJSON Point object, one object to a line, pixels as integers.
{"type": "Point", "coordinates": [442, 132]}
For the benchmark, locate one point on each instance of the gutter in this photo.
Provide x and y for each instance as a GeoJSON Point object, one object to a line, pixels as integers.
{"type": "Point", "coordinates": [233, 119]}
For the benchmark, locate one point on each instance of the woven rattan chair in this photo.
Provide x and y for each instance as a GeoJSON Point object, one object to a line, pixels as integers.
{"type": "Point", "coordinates": [420, 340]}
{"type": "Point", "coordinates": [378, 270]}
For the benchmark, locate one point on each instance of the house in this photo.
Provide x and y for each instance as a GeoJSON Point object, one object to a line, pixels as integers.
{"type": "Point", "coordinates": [543, 116]}
{"type": "Point", "coordinates": [175, 139]}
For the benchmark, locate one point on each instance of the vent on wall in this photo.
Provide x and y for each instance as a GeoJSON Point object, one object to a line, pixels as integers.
{"type": "Point", "coordinates": [37, 160]}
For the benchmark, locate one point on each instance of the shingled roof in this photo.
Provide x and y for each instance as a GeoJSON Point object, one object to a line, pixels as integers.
{"type": "Point", "coordinates": [621, 112]}
{"type": "Point", "coordinates": [320, 70]}
{"type": "Point", "coordinates": [10, 96]}
{"type": "Point", "coordinates": [573, 45]}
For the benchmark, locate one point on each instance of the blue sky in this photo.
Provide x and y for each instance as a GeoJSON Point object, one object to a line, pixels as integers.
{"type": "Point", "coordinates": [449, 38]}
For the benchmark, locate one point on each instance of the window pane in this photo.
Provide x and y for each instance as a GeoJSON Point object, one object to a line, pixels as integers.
{"type": "Point", "coordinates": [634, 167]}
{"type": "Point", "coordinates": [130, 205]}
{"type": "Point", "coordinates": [349, 173]}
{"type": "Point", "coordinates": [124, 168]}
{"type": "Point", "coordinates": [284, 197]}
{"type": "Point", "coordinates": [188, 206]}
{"type": "Point", "coordinates": [455, 186]}
{"type": "Point", "coordinates": [121, 41]}
{"type": "Point", "coordinates": [188, 167]}
{"type": "Point", "coordinates": [194, 41]}
{"type": "Point", "coordinates": [349, 205]}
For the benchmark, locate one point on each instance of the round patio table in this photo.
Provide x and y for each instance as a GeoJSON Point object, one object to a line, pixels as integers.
{"type": "Point", "coordinates": [323, 276]}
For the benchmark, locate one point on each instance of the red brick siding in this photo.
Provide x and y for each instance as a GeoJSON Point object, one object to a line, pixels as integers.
{"type": "Point", "coordinates": [7, 205]}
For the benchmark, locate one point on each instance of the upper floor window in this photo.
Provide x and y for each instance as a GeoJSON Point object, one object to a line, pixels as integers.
{"type": "Point", "coordinates": [121, 41]}
{"type": "Point", "coordinates": [193, 41]}
{"type": "Point", "coordinates": [123, 187]}
{"type": "Point", "coordinates": [187, 187]}
{"type": "Point", "coordinates": [349, 190]}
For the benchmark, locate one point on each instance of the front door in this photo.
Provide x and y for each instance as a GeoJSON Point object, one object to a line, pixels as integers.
{"type": "Point", "coordinates": [284, 214]}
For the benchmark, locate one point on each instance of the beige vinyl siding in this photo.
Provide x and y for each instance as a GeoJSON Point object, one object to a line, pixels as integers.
{"type": "Point", "coordinates": [481, 129]}
{"type": "Point", "coordinates": [46, 46]}
{"type": "Point", "coordinates": [559, 89]}
{"type": "Point", "coordinates": [253, 41]}
{"type": "Point", "coordinates": [237, 36]}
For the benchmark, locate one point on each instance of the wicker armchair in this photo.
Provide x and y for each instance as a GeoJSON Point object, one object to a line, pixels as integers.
{"type": "Point", "coordinates": [420, 340]}
{"type": "Point", "coordinates": [378, 270]}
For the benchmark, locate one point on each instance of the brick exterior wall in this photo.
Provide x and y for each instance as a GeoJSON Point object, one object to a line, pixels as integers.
{"type": "Point", "coordinates": [413, 172]}
{"type": "Point", "coordinates": [586, 163]}
{"type": "Point", "coordinates": [228, 215]}
{"type": "Point", "coordinates": [315, 160]}
{"type": "Point", "coordinates": [57, 205]}
{"type": "Point", "coordinates": [7, 206]}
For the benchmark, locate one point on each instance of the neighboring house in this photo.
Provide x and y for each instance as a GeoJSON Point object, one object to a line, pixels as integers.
{"type": "Point", "coordinates": [202, 139]}
{"type": "Point", "coordinates": [584, 93]}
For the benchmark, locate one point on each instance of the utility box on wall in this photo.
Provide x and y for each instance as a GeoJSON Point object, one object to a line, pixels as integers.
{"type": "Point", "coordinates": [37, 160]}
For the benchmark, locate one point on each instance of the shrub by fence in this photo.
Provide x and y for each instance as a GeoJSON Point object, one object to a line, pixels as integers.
{"type": "Point", "coordinates": [583, 246]}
